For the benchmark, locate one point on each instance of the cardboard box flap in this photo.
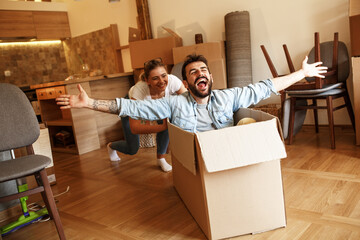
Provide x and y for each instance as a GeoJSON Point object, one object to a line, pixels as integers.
{"type": "Point", "coordinates": [182, 146]}
{"type": "Point", "coordinates": [240, 146]}
{"type": "Point", "coordinates": [258, 116]}
{"type": "Point", "coordinates": [248, 112]}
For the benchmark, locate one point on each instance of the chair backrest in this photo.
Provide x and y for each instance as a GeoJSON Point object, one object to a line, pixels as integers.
{"type": "Point", "coordinates": [19, 126]}
{"type": "Point", "coordinates": [326, 53]}
{"type": "Point", "coordinates": [176, 70]}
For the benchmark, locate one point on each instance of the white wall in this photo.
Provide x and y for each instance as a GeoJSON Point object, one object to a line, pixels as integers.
{"type": "Point", "coordinates": [272, 24]}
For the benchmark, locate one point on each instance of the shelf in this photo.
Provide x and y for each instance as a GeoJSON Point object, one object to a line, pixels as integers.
{"type": "Point", "coordinates": [65, 150]}
{"type": "Point", "coordinates": [60, 122]}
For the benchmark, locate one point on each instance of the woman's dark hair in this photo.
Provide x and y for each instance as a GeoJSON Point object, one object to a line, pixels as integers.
{"type": "Point", "coordinates": [190, 59]}
{"type": "Point", "coordinates": [151, 65]}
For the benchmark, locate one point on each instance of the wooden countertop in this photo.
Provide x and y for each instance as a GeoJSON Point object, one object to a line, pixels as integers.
{"type": "Point", "coordinates": [49, 84]}
{"type": "Point", "coordinates": [80, 80]}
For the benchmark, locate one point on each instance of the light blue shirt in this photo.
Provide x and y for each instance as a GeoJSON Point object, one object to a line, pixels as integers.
{"type": "Point", "coordinates": [181, 109]}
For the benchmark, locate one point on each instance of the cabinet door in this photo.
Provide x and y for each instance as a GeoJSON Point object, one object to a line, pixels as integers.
{"type": "Point", "coordinates": [51, 25]}
{"type": "Point", "coordinates": [16, 24]}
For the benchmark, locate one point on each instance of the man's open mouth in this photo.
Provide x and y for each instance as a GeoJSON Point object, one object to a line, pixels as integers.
{"type": "Point", "coordinates": [202, 83]}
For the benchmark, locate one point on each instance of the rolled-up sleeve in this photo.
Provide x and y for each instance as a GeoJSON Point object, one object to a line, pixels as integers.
{"type": "Point", "coordinates": [253, 93]}
{"type": "Point", "coordinates": [271, 86]}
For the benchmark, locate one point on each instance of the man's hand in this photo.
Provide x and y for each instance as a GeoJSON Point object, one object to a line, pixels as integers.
{"type": "Point", "coordinates": [73, 101]}
{"type": "Point", "coordinates": [307, 70]}
{"type": "Point", "coordinates": [83, 101]}
{"type": "Point", "coordinates": [314, 69]}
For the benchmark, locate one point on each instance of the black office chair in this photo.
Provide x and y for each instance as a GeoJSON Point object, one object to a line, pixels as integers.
{"type": "Point", "coordinates": [19, 128]}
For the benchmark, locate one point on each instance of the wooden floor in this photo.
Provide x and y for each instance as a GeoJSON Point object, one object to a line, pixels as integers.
{"type": "Point", "coordinates": [133, 199]}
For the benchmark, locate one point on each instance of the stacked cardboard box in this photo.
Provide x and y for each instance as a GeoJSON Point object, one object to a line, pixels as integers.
{"type": "Point", "coordinates": [214, 53]}
{"type": "Point", "coordinates": [145, 50]}
{"type": "Point", "coordinates": [228, 185]}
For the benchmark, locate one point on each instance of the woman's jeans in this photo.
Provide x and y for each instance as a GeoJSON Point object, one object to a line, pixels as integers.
{"type": "Point", "coordinates": [131, 144]}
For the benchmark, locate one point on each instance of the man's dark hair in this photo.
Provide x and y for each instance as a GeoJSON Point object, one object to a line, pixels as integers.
{"type": "Point", "coordinates": [190, 59]}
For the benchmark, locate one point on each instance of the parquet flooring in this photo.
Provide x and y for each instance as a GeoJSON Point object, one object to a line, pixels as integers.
{"type": "Point", "coordinates": [134, 199]}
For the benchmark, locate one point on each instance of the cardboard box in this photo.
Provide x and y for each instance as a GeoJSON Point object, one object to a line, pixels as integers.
{"type": "Point", "coordinates": [354, 21]}
{"type": "Point", "coordinates": [145, 50]}
{"type": "Point", "coordinates": [214, 52]}
{"type": "Point", "coordinates": [211, 50]}
{"type": "Point", "coordinates": [355, 61]}
{"type": "Point", "coordinates": [230, 179]}
{"type": "Point", "coordinates": [355, 35]}
{"type": "Point", "coordinates": [354, 7]}
{"type": "Point", "coordinates": [218, 71]}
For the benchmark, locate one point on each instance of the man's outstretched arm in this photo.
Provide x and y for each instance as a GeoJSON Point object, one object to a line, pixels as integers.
{"type": "Point", "coordinates": [82, 100]}
{"type": "Point", "coordinates": [307, 70]}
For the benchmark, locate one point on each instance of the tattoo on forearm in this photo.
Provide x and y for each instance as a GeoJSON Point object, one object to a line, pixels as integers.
{"type": "Point", "coordinates": [105, 106]}
{"type": "Point", "coordinates": [113, 107]}
{"type": "Point", "coordinates": [97, 104]}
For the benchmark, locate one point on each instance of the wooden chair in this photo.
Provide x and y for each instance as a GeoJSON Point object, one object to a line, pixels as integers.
{"type": "Point", "coordinates": [19, 128]}
{"type": "Point", "coordinates": [285, 102]}
{"type": "Point", "coordinates": [335, 56]}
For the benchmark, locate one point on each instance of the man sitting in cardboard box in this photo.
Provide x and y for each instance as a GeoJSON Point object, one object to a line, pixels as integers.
{"type": "Point", "coordinates": [200, 108]}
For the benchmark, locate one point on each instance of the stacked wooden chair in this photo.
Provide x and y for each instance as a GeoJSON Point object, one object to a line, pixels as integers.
{"type": "Point", "coordinates": [335, 56]}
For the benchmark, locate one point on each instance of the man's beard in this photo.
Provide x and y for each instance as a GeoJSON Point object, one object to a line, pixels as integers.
{"type": "Point", "coordinates": [198, 93]}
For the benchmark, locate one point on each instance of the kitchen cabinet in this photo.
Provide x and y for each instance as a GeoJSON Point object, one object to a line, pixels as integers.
{"type": "Point", "coordinates": [59, 122]}
{"type": "Point", "coordinates": [43, 25]}
{"type": "Point", "coordinates": [51, 25]}
{"type": "Point", "coordinates": [79, 131]}
{"type": "Point", "coordinates": [16, 24]}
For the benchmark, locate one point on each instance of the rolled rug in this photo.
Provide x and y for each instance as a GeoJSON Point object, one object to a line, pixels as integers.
{"type": "Point", "coordinates": [238, 49]}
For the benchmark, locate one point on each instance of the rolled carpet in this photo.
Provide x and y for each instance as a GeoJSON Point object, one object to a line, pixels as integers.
{"type": "Point", "coordinates": [238, 49]}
